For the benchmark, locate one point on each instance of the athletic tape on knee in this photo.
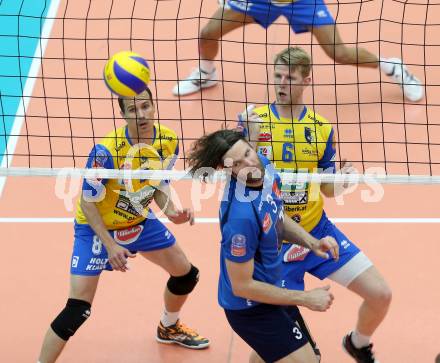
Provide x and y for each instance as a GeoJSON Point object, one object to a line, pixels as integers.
{"type": "Point", "coordinates": [183, 285]}
{"type": "Point", "coordinates": [71, 318]}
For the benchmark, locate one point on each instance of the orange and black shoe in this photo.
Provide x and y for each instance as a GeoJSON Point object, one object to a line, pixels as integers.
{"type": "Point", "coordinates": [182, 335]}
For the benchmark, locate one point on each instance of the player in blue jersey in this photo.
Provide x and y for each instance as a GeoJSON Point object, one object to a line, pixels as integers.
{"type": "Point", "coordinates": [113, 223]}
{"type": "Point", "coordinates": [253, 227]}
{"type": "Point", "coordinates": [298, 139]}
{"type": "Point", "coordinates": [303, 16]}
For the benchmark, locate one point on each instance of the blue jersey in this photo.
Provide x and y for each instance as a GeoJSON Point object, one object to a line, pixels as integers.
{"type": "Point", "coordinates": [251, 222]}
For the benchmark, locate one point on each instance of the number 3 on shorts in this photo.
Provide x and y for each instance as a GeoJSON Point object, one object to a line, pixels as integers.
{"type": "Point", "coordinates": [297, 332]}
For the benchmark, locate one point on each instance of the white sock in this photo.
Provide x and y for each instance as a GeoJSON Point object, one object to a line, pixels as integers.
{"type": "Point", "coordinates": [207, 65]}
{"type": "Point", "coordinates": [386, 66]}
{"type": "Point", "coordinates": [169, 319]}
{"type": "Point", "coordinates": [359, 340]}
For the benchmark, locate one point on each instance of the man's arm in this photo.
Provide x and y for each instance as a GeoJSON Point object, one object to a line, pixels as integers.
{"type": "Point", "coordinates": [243, 285]}
{"type": "Point", "coordinates": [162, 197]}
{"type": "Point", "coordinates": [294, 233]}
{"type": "Point", "coordinates": [117, 254]}
{"type": "Point", "coordinates": [331, 190]}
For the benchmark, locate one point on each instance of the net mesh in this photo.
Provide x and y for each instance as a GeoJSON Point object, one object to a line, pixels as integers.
{"type": "Point", "coordinates": [55, 107]}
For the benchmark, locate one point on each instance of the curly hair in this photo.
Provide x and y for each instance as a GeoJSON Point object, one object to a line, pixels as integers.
{"type": "Point", "coordinates": [208, 151]}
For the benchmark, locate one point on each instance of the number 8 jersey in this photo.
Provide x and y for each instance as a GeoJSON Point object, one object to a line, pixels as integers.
{"type": "Point", "coordinates": [306, 144]}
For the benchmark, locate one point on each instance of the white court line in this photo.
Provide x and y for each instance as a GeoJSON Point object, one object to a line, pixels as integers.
{"type": "Point", "coordinates": [29, 87]}
{"type": "Point", "coordinates": [215, 220]}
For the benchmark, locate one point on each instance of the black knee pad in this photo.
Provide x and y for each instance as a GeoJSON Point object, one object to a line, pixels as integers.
{"type": "Point", "coordinates": [183, 285]}
{"type": "Point", "coordinates": [71, 318]}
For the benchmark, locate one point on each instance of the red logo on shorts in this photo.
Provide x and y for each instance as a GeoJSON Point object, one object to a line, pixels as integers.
{"type": "Point", "coordinates": [128, 235]}
{"type": "Point", "coordinates": [296, 253]}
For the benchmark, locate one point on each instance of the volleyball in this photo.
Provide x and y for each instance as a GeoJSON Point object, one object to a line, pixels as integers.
{"type": "Point", "coordinates": [126, 74]}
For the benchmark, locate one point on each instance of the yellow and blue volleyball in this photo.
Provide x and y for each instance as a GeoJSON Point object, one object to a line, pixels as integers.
{"type": "Point", "coordinates": [127, 74]}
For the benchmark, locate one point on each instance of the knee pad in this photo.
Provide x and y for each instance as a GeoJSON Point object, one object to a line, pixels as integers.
{"type": "Point", "coordinates": [71, 318]}
{"type": "Point", "coordinates": [183, 285]}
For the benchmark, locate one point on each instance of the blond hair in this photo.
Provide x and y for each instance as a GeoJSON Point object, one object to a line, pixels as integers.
{"type": "Point", "coordinates": [295, 58]}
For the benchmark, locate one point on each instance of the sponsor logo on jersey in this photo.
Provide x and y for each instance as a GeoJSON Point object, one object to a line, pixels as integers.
{"type": "Point", "coordinates": [308, 135]}
{"type": "Point", "coordinates": [100, 158]}
{"type": "Point", "coordinates": [265, 151]}
{"type": "Point", "coordinates": [310, 152]}
{"type": "Point", "coordinates": [314, 119]}
{"type": "Point", "coordinates": [288, 133]}
{"type": "Point", "coordinates": [298, 197]}
{"type": "Point", "coordinates": [264, 137]}
{"type": "Point", "coordinates": [296, 218]}
{"type": "Point", "coordinates": [295, 253]}
{"type": "Point", "coordinates": [297, 208]}
{"type": "Point", "coordinates": [120, 146]}
{"type": "Point", "coordinates": [267, 223]}
{"type": "Point", "coordinates": [128, 235]}
{"type": "Point", "coordinates": [165, 137]}
{"type": "Point", "coordinates": [75, 260]}
{"type": "Point", "coordinates": [238, 245]}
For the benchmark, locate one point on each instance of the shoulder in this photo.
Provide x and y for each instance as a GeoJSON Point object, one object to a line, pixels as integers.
{"type": "Point", "coordinates": [165, 133]}
{"type": "Point", "coordinates": [263, 111]}
{"type": "Point", "coordinates": [166, 137]}
{"type": "Point", "coordinates": [114, 140]}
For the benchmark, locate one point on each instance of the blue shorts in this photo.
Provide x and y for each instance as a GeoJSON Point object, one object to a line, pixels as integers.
{"type": "Point", "coordinates": [90, 257]}
{"type": "Point", "coordinates": [268, 329]}
{"type": "Point", "coordinates": [300, 263]}
{"type": "Point", "coordinates": [301, 14]}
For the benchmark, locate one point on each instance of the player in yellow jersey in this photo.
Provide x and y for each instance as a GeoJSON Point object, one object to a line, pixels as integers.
{"type": "Point", "coordinates": [303, 16]}
{"type": "Point", "coordinates": [113, 223]}
{"type": "Point", "coordinates": [298, 139]}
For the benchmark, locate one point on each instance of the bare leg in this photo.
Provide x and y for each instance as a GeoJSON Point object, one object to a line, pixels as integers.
{"type": "Point", "coordinates": [221, 23]}
{"type": "Point", "coordinates": [303, 355]}
{"type": "Point", "coordinates": [255, 358]}
{"type": "Point", "coordinates": [332, 44]}
{"type": "Point", "coordinates": [174, 261]}
{"type": "Point", "coordinates": [81, 288]}
{"type": "Point", "coordinates": [377, 295]}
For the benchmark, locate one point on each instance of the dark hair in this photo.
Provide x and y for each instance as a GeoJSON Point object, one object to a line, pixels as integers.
{"type": "Point", "coordinates": [122, 104]}
{"type": "Point", "coordinates": [208, 151]}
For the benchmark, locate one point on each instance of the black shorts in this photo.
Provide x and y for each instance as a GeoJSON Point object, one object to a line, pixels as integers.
{"type": "Point", "coordinates": [268, 330]}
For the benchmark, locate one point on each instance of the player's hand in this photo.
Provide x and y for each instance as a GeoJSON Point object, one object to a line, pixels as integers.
{"type": "Point", "coordinates": [181, 216]}
{"type": "Point", "coordinates": [250, 120]}
{"type": "Point", "coordinates": [347, 168]}
{"type": "Point", "coordinates": [326, 245]}
{"type": "Point", "coordinates": [117, 257]}
{"type": "Point", "coordinates": [319, 299]}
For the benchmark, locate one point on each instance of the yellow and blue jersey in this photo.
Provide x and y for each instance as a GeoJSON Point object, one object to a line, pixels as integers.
{"type": "Point", "coordinates": [305, 144]}
{"type": "Point", "coordinates": [124, 203]}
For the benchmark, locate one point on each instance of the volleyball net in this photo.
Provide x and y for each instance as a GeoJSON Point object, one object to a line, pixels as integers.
{"type": "Point", "coordinates": [55, 107]}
